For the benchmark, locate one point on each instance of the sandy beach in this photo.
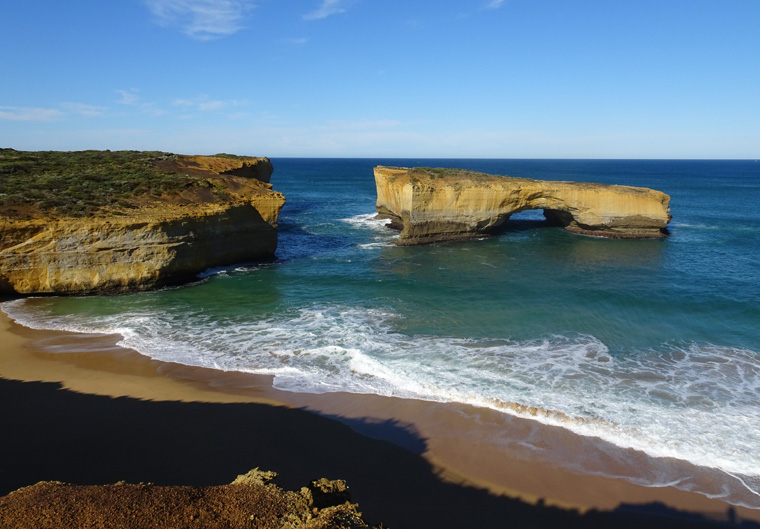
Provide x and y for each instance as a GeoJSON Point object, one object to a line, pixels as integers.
{"type": "Point", "coordinates": [81, 409]}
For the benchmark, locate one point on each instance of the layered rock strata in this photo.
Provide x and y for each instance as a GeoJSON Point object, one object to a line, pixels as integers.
{"type": "Point", "coordinates": [162, 240]}
{"type": "Point", "coordinates": [430, 205]}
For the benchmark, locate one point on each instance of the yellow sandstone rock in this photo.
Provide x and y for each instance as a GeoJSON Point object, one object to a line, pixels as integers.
{"type": "Point", "coordinates": [431, 205]}
{"type": "Point", "coordinates": [165, 240]}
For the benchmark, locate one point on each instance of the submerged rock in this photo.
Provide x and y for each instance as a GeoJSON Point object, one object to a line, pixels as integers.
{"type": "Point", "coordinates": [430, 205]}
{"type": "Point", "coordinates": [226, 214]}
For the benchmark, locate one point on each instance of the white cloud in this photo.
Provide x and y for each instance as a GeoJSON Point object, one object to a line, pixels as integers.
{"type": "Point", "coordinates": [201, 19]}
{"type": "Point", "coordinates": [494, 4]}
{"type": "Point", "coordinates": [131, 98]}
{"type": "Point", "coordinates": [128, 97]}
{"type": "Point", "coordinates": [89, 111]}
{"type": "Point", "coordinates": [30, 114]}
{"type": "Point", "coordinates": [327, 8]}
{"type": "Point", "coordinates": [204, 104]}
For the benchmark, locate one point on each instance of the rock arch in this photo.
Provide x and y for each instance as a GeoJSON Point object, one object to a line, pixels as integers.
{"type": "Point", "coordinates": [431, 205]}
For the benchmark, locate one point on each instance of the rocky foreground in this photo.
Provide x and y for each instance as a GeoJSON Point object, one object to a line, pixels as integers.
{"type": "Point", "coordinates": [430, 205]}
{"type": "Point", "coordinates": [250, 502]}
{"type": "Point", "coordinates": [104, 222]}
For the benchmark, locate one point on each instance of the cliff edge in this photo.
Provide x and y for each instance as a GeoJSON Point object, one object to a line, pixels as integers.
{"type": "Point", "coordinates": [430, 205]}
{"type": "Point", "coordinates": [97, 227]}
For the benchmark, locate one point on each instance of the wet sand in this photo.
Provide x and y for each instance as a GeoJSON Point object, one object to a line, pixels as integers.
{"type": "Point", "coordinates": [409, 463]}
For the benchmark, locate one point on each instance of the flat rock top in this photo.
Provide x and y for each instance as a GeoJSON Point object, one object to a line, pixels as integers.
{"type": "Point", "coordinates": [439, 176]}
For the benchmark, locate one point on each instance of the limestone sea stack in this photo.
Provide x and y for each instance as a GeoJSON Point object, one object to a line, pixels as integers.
{"type": "Point", "coordinates": [430, 205]}
{"type": "Point", "coordinates": [190, 213]}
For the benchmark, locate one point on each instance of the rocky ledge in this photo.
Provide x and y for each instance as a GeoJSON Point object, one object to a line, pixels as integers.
{"type": "Point", "coordinates": [250, 501]}
{"type": "Point", "coordinates": [430, 205]}
{"type": "Point", "coordinates": [211, 211]}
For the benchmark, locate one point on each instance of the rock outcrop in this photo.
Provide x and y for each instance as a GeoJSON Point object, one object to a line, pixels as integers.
{"type": "Point", "coordinates": [161, 240]}
{"type": "Point", "coordinates": [430, 205]}
{"type": "Point", "coordinates": [250, 502]}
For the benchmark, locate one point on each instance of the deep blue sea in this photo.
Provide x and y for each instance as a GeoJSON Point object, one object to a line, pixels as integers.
{"type": "Point", "coordinates": [648, 344]}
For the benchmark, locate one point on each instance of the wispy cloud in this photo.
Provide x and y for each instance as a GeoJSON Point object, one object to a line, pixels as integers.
{"type": "Point", "coordinates": [494, 4]}
{"type": "Point", "coordinates": [88, 111]}
{"type": "Point", "coordinates": [206, 104]}
{"type": "Point", "coordinates": [128, 97]}
{"type": "Point", "coordinates": [203, 106]}
{"type": "Point", "coordinates": [131, 98]}
{"type": "Point", "coordinates": [327, 8]}
{"type": "Point", "coordinates": [201, 19]}
{"type": "Point", "coordinates": [30, 114]}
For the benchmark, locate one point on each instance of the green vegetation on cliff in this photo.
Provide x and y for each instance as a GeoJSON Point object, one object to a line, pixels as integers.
{"type": "Point", "coordinates": [417, 174]}
{"type": "Point", "coordinates": [444, 172]}
{"type": "Point", "coordinates": [80, 182]}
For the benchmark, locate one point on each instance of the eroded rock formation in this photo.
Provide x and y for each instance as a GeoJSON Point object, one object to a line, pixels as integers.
{"type": "Point", "coordinates": [162, 240]}
{"type": "Point", "coordinates": [430, 205]}
{"type": "Point", "coordinates": [251, 502]}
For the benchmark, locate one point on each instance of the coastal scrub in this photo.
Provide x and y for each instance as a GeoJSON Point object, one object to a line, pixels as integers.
{"type": "Point", "coordinates": [78, 183]}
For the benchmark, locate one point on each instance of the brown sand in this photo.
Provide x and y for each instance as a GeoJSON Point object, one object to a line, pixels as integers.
{"type": "Point", "coordinates": [489, 461]}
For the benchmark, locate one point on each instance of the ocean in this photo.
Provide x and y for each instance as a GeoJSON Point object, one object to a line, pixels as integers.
{"type": "Point", "coordinates": [652, 345]}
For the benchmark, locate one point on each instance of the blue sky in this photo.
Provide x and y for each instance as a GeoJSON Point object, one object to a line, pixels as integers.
{"type": "Point", "coordinates": [384, 78]}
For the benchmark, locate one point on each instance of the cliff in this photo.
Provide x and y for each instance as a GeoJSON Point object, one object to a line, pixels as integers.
{"type": "Point", "coordinates": [430, 205]}
{"type": "Point", "coordinates": [224, 212]}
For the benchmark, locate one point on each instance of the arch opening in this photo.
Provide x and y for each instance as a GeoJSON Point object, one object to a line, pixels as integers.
{"type": "Point", "coordinates": [535, 218]}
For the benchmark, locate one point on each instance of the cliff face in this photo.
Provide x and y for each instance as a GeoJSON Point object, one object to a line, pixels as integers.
{"type": "Point", "coordinates": [433, 205]}
{"type": "Point", "coordinates": [165, 240]}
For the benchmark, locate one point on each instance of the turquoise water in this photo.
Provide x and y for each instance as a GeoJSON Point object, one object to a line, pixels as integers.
{"type": "Point", "coordinates": [649, 344]}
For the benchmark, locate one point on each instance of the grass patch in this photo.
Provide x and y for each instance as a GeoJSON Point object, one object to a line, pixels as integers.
{"type": "Point", "coordinates": [230, 156]}
{"type": "Point", "coordinates": [78, 183]}
{"type": "Point", "coordinates": [445, 172]}
{"type": "Point", "coordinates": [438, 173]}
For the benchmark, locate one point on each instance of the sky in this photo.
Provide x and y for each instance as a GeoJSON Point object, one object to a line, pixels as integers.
{"type": "Point", "coordinates": [384, 78]}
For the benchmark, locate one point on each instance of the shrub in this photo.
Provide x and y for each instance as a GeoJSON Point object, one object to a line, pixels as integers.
{"type": "Point", "coordinates": [80, 182]}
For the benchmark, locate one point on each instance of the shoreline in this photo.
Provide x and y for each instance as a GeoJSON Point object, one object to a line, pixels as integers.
{"type": "Point", "coordinates": [464, 447]}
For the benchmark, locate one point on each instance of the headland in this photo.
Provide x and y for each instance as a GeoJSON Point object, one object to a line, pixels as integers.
{"type": "Point", "coordinates": [110, 222]}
